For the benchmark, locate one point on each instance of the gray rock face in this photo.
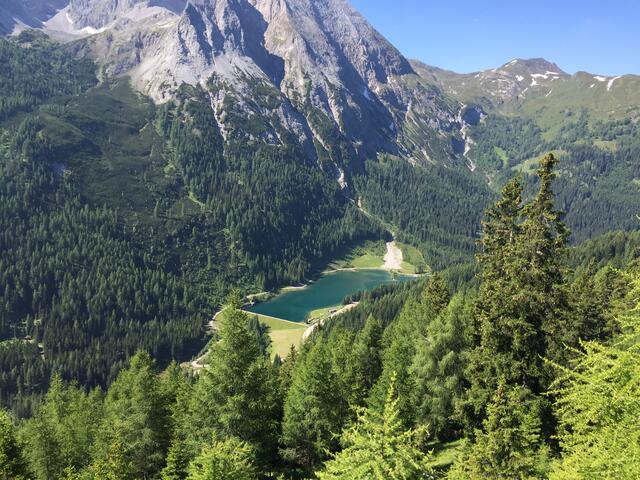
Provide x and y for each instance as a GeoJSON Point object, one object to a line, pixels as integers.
{"type": "Point", "coordinates": [100, 13]}
{"type": "Point", "coordinates": [334, 84]}
{"type": "Point", "coordinates": [20, 14]}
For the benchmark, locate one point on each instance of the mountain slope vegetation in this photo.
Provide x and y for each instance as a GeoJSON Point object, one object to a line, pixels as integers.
{"type": "Point", "coordinates": [492, 376]}
{"type": "Point", "coordinates": [128, 225]}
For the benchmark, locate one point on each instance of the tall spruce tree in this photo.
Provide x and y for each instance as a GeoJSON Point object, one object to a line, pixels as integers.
{"type": "Point", "coordinates": [224, 459]}
{"type": "Point", "coordinates": [400, 340]}
{"type": "Point", "coordinates": [136, 421]}
{"type": "Point", "coordinates": [367, 360]}
{"type": "Point", "coordinates": [438, 367]}
{"type": "Point", "coordinates": [510, 444]}
{"type": "Point", "coordinates": [13, 465]}
{"type": "Point", "coordinates": [237, 395]}
{"type": "Point", "coordinates": [315, 408]}
{"type": "Point", "coordinates": [521, 305]}
{"type": "Point", "coordinates": [63, 430]}
{"type": "Point", "coordinates": [543, 247]}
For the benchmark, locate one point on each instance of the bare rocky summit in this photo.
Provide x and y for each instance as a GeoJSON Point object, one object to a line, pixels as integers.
{"type": "Point", "coordinates": [312, 70]}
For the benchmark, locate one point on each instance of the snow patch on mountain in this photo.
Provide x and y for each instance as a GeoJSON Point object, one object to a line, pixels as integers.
{"type": "Point", "coordinates": [610, 83]}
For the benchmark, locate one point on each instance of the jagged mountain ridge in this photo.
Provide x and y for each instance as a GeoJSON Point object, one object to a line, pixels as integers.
{"type": "Point", "coordinates": [524, 85]}
{"type": "Point", "coordinates": [311, 72]}
{"type": "Point", "coordinates": [343, 90]}
{"type": "Point", "coordinates": [507, 84]}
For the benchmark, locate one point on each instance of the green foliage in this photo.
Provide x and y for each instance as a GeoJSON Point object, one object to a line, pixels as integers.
{"type": "Point", "coordinates": [13, 465]}
{"type": "Point", "coordinates": [594, 296]}
{"type": "Point", "coordinates": [134, 429]}
{"type": "Point", "coordinates": [124, 224]}
{"type": "Point", "coordinates": [501, 142]}
{"type": "Point", "coordinates": [36, 69]}
{"type": "Point", "coordinates": [597, 182]}
{"type": "Point", "coordinates": [439, 364]}
{"type": "Point", "coordinates": [510, 444]}
{"type": "Point", "coordinates": [314, 409]}
{"type": "Point", "coordinates": [378, 447]}
{"type": "Point", "coordinates": [76, 281]}
{"type": "Point", "coordinates": [598, 403]}
{"type": "Point", "coordinates": [366, 360]}
{"type": "Point", "coordinates": [63, 430]}
{"type": "Point", "coordinates": [283, 217]}
{"type": "Point", "coordinates": [617, 249]}
{"type": "Point", "coordinates": [221, 460]}
{"type": "Point", "coordinates": [237, 395]}
{"type": "Point", "coordinates": [400, 348]}
{"type": "Point", "coordinates": [115, 465]}
{"type": "Point", "coordinates": [446, 207]}
{"type": "Point", "coordinates": [522, 300]}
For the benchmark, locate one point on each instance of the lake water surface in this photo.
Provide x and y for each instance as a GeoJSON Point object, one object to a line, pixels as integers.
{"type": "Point", "coordinates": [329, 290]}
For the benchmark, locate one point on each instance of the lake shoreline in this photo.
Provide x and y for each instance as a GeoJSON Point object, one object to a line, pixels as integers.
{"type": "Point", "coordinates": [327, 292]}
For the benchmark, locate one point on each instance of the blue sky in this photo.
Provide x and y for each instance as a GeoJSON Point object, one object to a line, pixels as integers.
{"type": "Point", "coordinates": [598, 36]}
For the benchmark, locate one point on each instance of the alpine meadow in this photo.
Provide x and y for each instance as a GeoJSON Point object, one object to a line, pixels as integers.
{"type": "Point", "coordinates": [250, 239]}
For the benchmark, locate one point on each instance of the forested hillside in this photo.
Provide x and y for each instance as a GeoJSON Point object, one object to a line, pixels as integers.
{"type": "Point", "coordinates": [598, 177]}
{"type": "Point", "coordinates": [124, 225]}
{"type": "Point", "coordinates": [533, 373]}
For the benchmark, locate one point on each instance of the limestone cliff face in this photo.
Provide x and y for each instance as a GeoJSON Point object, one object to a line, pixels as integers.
{"type": "Point", "coordinates": [313, 71]}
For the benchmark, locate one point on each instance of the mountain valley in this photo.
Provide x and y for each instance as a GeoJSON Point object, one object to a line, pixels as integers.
{"type": "Point", "coordinates": [162, 158]}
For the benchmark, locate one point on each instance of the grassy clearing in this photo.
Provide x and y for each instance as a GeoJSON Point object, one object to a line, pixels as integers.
{"type": "Point", "coordinates": [609, 145]}
{"type": "Point", "coordinates": [531, 164]}
{"type": "Point", "coordinates": [321, 313]}
{"type": "Point", "coordinates": [283, 333]}
{"type": "Point", "coordinates": [444, 454]}
{"type": "Point", "coordinates": [412, 259]}
{"type": "Point", "coordinates": [367, 255]}
{"type": "Point", "coordinates": [502, 155]}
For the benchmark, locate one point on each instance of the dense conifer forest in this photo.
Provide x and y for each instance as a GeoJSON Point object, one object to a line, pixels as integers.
{"type": "Point", "coordinates": [529, 371]}
{"type": "Point", "coordinates": [124, 225]}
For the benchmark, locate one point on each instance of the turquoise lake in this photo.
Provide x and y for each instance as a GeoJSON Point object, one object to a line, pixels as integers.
{"type": "Point", "coordinates": [330, 289]}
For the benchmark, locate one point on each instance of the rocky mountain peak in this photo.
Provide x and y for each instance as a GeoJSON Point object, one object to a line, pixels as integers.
{"type": "Point", "coordinates": [315, 69]}
{"type": "Point", "coordinates": [532, 66]}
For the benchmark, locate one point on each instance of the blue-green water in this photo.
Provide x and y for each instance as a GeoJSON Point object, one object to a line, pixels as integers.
{"type": "Point", "coordinates": [329, 290]}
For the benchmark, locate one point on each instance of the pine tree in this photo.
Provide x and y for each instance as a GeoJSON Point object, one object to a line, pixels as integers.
{"type": "Point", "coordinates": [135, 420]}
{"type": "Point", "coordinates": [178, 458]}
{"type": "Point", "coordinates": [593, 297]}
{"type": "Point", "coordinates": [286, 370]}
{"type": "Point", "coordinates": [177, 391]}
{"type": "Point", "coordinates": [367, 359]}
{"type": "Point", "coordinates": [63, 429]}
{"type": "Point", "coordinates": [598, 403]}
{"type": "Point", "coordinates": [401, 340]}
{"type": "Point", "coordinates": [13, 465]}
{"type": "Point", "coordinates": [115, 465]}
{"type": "Point", "coordinates": [543, 247]}
{"type": "Point", "coordinates": [378, 447]}
{"type": "Point", "coordinates": [238, 394]}
{"type": "Point", "coordinates": [223, 460]}
{"type": "Point", "coordinates": [314, 408]}
{"type": "Point", "coordinates": [510, 445]}
{"type": "Point", "coordinates": [521, 305]}
{"type": "Point", "coordinates": [438, 367]}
